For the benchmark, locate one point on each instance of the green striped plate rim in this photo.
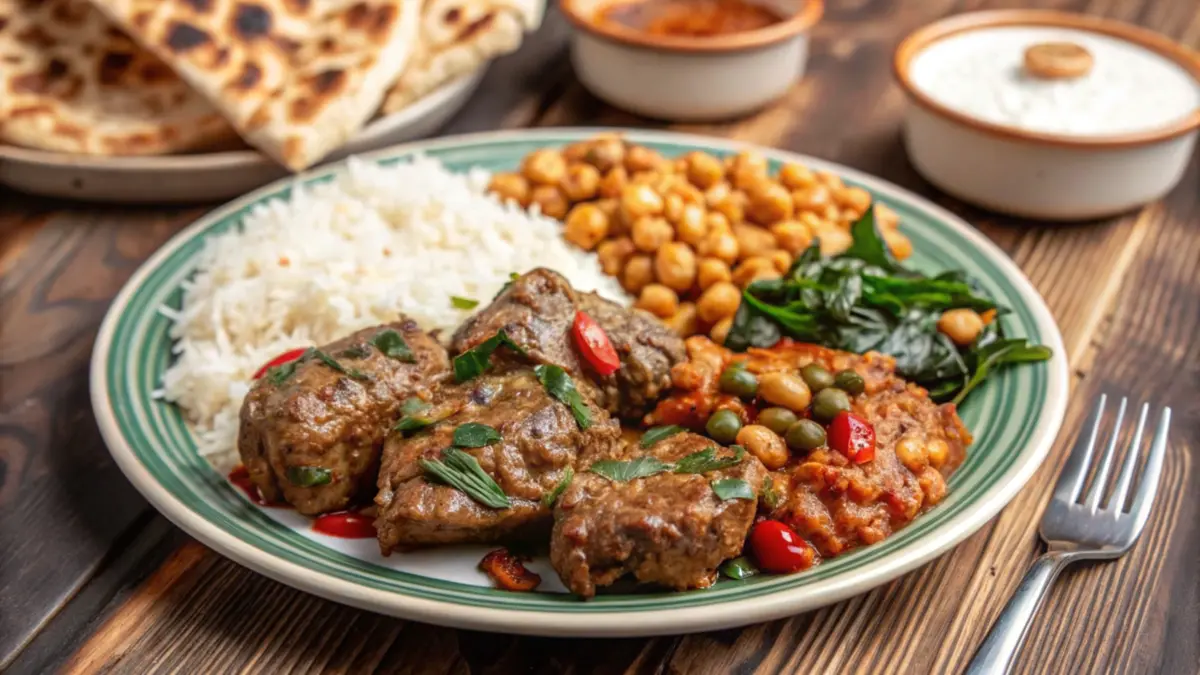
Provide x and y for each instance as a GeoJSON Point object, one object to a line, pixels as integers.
{"type": "Point", "coordinates": [1014, 417]}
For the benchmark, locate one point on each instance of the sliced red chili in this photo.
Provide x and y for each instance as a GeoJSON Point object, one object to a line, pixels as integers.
{"type": "Point", "coordinates": [286, 357]}
{"type": "Point", "coordinates": [778, 549]}
{"type": "Point", "coordinates": [508, 572]}
{"type": "Point", "coordinates": [594, 344]}
{"type": "Point", "coordinates": [852, 436]}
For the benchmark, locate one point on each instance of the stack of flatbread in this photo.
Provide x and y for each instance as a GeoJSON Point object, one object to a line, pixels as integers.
{"type": "Point", "coordinates": [294, 78]}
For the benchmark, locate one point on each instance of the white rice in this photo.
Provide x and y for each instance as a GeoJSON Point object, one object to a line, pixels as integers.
{"type": "Point", "coordinates": [342, 256]}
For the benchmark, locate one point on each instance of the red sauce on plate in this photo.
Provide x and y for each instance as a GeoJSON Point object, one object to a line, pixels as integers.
{"type": "Point", "coordinates": [240, 478]}
{"type": "Point", "coordinates": [346, 525]}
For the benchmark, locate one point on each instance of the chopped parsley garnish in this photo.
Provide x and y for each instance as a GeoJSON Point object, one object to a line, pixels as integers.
{"type": "Point", "coordinates": [552, 496]}
{"type": "Point", "coordinates": [308, 476]}
{"type": "Point", "coordinates": [707, 460]}
{"type": "Point", "coordinates": [770, 496]}
{"type": "Point", "coordinates": [462, 471]}
{"type": "Point", "coordinates": [739, 568]}
{"type": "Point", "coordinates": [413, 415]}
{"type": "Point", "coordinates": [474, 361]}
{"type": "Point", "coordinates": [656, 434]}
{"type": "Point", "coordinates": [279, 374]}
{"type": "Point", "coordinates": [624, 471]}
{"type": "Point", "coordinates": [560, 385]}
{"type": "Point", "coordinates": [393, 346]}
{"type": "Point", "coordinates": [475, 435]}
{"type": "Point", "coordinates": [459, 302]}
{"type": "Point", "coordinates": [732, 488]}
{"type": "Point", "coordinates": [355, 352]}
{"type": "Point", "coordinates": [332, 363]}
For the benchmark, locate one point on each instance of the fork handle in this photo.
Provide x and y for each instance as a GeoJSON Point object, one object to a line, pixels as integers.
{"type": "Point", "coordinates": [998, 651]}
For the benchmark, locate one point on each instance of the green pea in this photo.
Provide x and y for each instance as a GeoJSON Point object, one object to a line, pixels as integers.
{"type": "Point", "coordinates": [723, 426]}
{"type": "Point", "coordinates": [739, 382]}
{"type": "Point", "coordinates": [850, 382]}
{"type": "Point", "coordinates": [777, 419]}
{"type": "Point", "coordinates": [805, 435]}
{"type": "Point", "coordinates": [816, 377]}
{"type": "Point", "coordinates": [828, 403]}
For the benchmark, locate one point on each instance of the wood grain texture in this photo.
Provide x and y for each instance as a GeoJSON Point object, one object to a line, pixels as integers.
{"type": "Point", "coordinates": [1125, 292]}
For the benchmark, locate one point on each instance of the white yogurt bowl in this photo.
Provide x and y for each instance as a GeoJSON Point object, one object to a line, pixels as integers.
{"type": "Point", "coordinates": [985, 129]}
{"type": "Point", "coordinates": [691, 79]}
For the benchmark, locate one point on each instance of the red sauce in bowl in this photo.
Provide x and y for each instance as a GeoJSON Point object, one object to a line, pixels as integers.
{"type": "Point", "coordinates": [688, 18]}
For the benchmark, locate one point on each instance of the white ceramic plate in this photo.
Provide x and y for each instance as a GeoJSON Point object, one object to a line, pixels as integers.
{"type": "Point", "coordinates": [1014, 416]}
{"type": "Point", "coordinates": [210, 176]}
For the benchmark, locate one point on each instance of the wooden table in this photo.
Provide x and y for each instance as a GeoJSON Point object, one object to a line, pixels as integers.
{"type": "Point", "coordinates": [92, 579]}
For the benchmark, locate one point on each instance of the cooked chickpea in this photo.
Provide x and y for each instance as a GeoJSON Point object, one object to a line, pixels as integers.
{"type": "Point", "coordinates": [577, 151]}
{"type": "Point", "coordinates": [754, 269]}
{"type": "Point", "coordinates": [650, 233]}
{"type": "Point", "coordinates": [544, 167]}
{"type": "Point", "coordinates": [911, 453]}
{"type": "Point", "coordinates": [753, 241]}
{"type": "Point", "coordinates": [748, 169]}
{"type": "Point", "coordinates": [886, 217]}
{"type": "Point", "coordinates": [644, 178]}
{"type": "Point", "coordinates": [711, 271]}
{"type": "Point", "coordinates": [605, 153]}
{"type": "Point", "coordinates": [510, 186]}
{"type": "Point", "coordinates": [613, 182]}
{"type": "Point", "coordinates": [675, 266]}
{"type": "Point", "coordinates": [718, 301]}
{"type": "Point", "coordinates": [830, 180]}
{"type": "Point", "coordinates": [721, 245]}
{"type": "Point", "coordinates": [769, 203]}
{"type": "Point", "coordinates": [581, 182]}
{"type": "Point", "coordinates": [854, 199]}
{"type": "Point", "coordinates": [791, 236]}
{"type": "Point", "coordinates": [639, 158]}
{"type": "Point", "coordinates": [716, 193]}
{"type": "Point", "coordinates": [658, 300]}
{"type": "Point", "coordinates": [961, 325]}
{"type": "Point", "coordinates": [673, 208]}
{"type": "Point", "coordinates": [796, 176]}
{"type": "Point", "coordinates": [784, 389]}
{"type": "Point", "coordinates": [813, 198]}
{"type": "Point", "coordinates": [831, 213]}
{"type": "Point", "coordinates": [720, 330]}
{"type": "Point", "coordinates": [550, 200]}
{"type": "Point", "coordinates": [938, 452]}
{"type": "Point", "coordinates": [639, 271]}
{"type": "Point", "coordinates": [688, 192]}
{"type": "Point", "coordinates": [704, 170]}
{"type": "Point", "coordinates": [613, 254]}
{"type": "Point", "coordinates": [899, 244]}
{"type": "Point", "coordinates": [733, 207]}
{"type": "Point", "coordinates": [638, 201]}
{"type": "Point", "coordinates": [585, 226]}
{"type": "Point", "coordinates": [782, 261]}
{"type": "Point", "coordinates": [692, 225]}
{"type": "Point", "coordinates": [834, 240]}
{"type": "Point", "coordinates": [684, 321]}
{"type": "Point", "coordinates": [764, 444]}
{"type": "Point", "coordinates": [718, 223]}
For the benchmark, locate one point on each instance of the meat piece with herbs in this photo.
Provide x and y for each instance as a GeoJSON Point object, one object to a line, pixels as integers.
{"type": "Point", "coordinates": [530, 440]}
{"type": "Point", "coordinates": [311, 431]}
{"type": "Point", "coordinates": [538, 312]}
{"type": "Point", "coordinates": [669, 528]}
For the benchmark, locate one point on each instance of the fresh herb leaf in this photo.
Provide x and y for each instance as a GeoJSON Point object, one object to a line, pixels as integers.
{"type": "Point", "coordinates": [355, 352]}
{"type": "Point", "coordinates": [475, 435]}
{"type": "Point", "coordinates": [473, 362]}
{"type": "Point", "coordinates": [656, 434]}
{"type": "Point", "coordinates": [413, 415]}
{"type": "Point", "coordinates": [392, 344]}
{"type": "Point", "coordinates": [512, 277]}
{"type": "Point", "coordinates": [279, 374]}
{"type": "Point", "coordinates": [869, 246]}
{"type": "Point", "coordinates": [770, 495]}
{"type": "Point", "coordinates": [552, 496]}
{"type": "Point", "coordinates": [308, 476]}
{"type": "Point", "coordinates": [624, 471]}
{"type": "Point", "coordinates": [732, 488]}
{"type": "Point", "coordinates": [560, 385]}
{"type": "Point", "coordinates": [739, 568]}
{"type": "Point", "coordinates": [707, 460]}
{"type": "Point", "coordinates": [459, 302]}
{"type": "Point", "coordinates": [462, 471]}
{"type": "Point", "coordinates": [997, 354]}
{"type": "Point", "coordinates": [332, 363]}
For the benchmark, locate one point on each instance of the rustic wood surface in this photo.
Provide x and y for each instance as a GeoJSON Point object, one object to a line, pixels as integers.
{"type": "Point", "coordinates": [92, 580]}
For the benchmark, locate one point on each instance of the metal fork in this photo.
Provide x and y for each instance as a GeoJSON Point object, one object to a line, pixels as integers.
{"type": "Point", "coordinates": [1075, 527]}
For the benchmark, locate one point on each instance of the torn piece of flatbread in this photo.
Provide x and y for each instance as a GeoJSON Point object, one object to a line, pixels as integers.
{"type": "Point", "coordinates": [71, 82]}
{"type": "Point", "coordinates": [297, 78]}
{"type": "Point", "coordinates": [458, 36]}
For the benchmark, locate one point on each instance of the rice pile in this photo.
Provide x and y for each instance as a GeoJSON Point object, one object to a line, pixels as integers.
{"type": "Point", "coordinates": [342, 256]}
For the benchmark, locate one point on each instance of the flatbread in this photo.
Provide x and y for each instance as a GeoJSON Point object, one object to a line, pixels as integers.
{"type": "Point", "coordinates": [296, 78]}
{"type": "Point", "coordinates": [71, 82]}
{"type": "Point", "coordinates": [458, 36]}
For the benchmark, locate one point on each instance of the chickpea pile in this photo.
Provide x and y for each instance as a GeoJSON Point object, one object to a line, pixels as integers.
{"type": "Point", "coordinates": [687, 235]}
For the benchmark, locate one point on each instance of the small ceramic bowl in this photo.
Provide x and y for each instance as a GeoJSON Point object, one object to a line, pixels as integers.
{"type": "Point", "coordinates": [1038, 174]}
{"type": "Point", "coordinates": [691, 79]}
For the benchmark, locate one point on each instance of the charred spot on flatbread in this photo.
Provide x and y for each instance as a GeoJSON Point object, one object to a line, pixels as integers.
{"type": "Point", "coordinates": [250, 76]}
{"type": "Point", "coordinates": [112, 67]}
{"type": "Point", "coordinates": [68, 14]}
{"type": "Point", "coordinates": [155, 71]}
{"type": "Point", "coordinates": [184, 37]}
{"type": "Point", "coordinates": [200, 6]}
{"type": "Point", "coordinates": [477, 26]}
{"type": "Point", "coordinates": [329, 81]}
{"type": "Point", "coordinates": [298, 7]}
{"type": "Point", "coordinates": [251, 21]}
{"type": "Point", "coordinates": [3, 22]}
{"type": "Point", "coordinates": [35, 37]}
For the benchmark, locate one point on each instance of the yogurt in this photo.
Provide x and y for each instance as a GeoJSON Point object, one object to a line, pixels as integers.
{"type": "Point", "coordinates": [1129, 88]}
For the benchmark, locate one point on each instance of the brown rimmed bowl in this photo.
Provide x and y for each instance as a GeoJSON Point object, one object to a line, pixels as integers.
{"type": "Point", "coordinates": [1043, 175]}
{"type": "Point", "coordinates": [691, 79]}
